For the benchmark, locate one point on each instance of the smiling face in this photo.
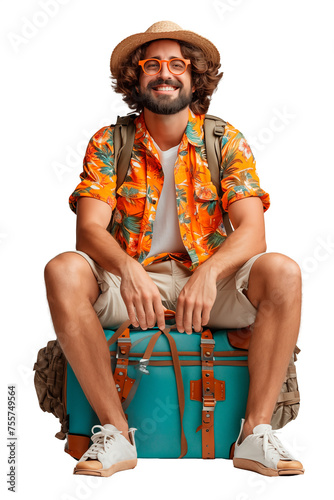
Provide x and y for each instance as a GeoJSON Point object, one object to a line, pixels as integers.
{"type": "Point", "coordinates": [165, 93]}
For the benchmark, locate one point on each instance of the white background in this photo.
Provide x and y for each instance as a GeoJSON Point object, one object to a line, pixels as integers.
{"type": "Point", "coordinates": [277, 58]}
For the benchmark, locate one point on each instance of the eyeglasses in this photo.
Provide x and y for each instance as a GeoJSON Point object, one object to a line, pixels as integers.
{"type": "Point", "coordinates": [175, 66]}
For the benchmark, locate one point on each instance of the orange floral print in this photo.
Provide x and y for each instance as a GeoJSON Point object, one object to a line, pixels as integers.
{"type": "Point", "coordinates": [199, 209]}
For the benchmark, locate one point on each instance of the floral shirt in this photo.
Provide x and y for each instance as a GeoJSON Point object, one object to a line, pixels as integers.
{"type": "Point", "coordinates": [198, 206]}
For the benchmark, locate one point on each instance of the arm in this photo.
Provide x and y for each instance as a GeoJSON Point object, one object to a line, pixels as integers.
{"type": "Point", "coordinates": [248, 239]}
{"type": "Point", "coordinates": [140, 294]}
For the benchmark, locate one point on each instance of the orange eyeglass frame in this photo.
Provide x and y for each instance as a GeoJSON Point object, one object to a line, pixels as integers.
{"type": "Point", "coordinates": [186, 61]}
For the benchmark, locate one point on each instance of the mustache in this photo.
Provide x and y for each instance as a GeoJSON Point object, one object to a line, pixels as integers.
{"type": "Point", "coordinates": [161, 81]}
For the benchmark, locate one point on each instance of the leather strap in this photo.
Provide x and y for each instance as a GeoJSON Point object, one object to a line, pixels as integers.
{"type": "Point", "coordinates": [190, 362]}
{"type": "Point", "coordinates": [180, 389]}
{"type": "Point", "coordinates": [208, 391]}
{"type": "Point", "coordinates": [223, 354]}
{"type": "Point", "coordinates": [119, 332]}
{"type": "Point", "coordinates": [141, 369]}
{"type": "Point", "coordinates": [122, 381]}
{"type": "Point", "coordinates": [178, 377]}
{"type": "Point", "coordinates": [177, 370]}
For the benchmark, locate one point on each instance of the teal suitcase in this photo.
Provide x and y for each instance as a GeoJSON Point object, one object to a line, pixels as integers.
{"type": "Point", "coordinates": [185, 394]}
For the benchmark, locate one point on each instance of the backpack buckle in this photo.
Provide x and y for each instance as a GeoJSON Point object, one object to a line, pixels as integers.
{"type": "Point", "coordinates": [219, 130]}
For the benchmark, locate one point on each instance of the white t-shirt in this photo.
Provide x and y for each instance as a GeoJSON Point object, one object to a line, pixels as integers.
{"type": "Point", "coordinates": [166, 231]}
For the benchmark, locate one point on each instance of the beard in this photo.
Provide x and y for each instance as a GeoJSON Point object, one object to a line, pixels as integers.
{"type": "Point", "coordinates": [163, 104]}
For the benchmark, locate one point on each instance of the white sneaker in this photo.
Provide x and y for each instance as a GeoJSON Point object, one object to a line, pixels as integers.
{"type": "Point", "coordinates": [110, 452]}
{"type": "Point", "coordinates": [264, 453]}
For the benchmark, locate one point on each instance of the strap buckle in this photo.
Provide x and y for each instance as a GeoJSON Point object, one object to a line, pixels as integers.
{"type": "Point", "coordinates": [123, 347]}
{"type": "Point", "coordinates": [209, 403]}
{"type": "Point", "coordinates": [142, 365]}
{"type": "Point", "coordinates": [219, 130]}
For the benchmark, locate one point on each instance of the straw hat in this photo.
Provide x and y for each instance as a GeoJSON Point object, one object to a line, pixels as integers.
{"type": "Point", "coordinates": [159, 30]}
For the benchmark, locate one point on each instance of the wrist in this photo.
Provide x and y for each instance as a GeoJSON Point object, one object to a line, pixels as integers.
{"type": "Point", "coordinates": [211, 266]}
{"type": "Point", "coordinates": [127, 266]}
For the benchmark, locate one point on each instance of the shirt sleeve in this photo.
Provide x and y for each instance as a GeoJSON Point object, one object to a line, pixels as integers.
{"type": "Point", "coordinates": [239, 178]}
{"type": "Point", "coordinates": [98, 179]}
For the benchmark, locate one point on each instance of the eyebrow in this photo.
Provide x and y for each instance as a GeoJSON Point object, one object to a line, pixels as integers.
{"type": "Point", "coordinates": [158, 57]}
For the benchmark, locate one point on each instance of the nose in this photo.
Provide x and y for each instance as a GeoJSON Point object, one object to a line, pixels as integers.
{"type": "Point", "coordinates": [164, 72]}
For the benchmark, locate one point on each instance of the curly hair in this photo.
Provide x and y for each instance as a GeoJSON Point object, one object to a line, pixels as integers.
{"type": "Point", "coordinates": [205, 77]}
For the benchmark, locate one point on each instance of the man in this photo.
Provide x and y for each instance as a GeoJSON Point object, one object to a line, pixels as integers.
{"type": "Point", "coordinates": [168, 247]}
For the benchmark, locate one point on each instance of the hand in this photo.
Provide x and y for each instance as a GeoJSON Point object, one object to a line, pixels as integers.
{"type": "Point", "coordinates": [141, 297]}
{"type": "Point", "coordinates": [196, 300]}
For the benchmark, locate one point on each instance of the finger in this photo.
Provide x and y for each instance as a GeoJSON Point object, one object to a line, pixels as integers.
{"type": "Point", "coordinates": [132, 315]}
{"type": "Point", "coordinates": [159, 312]}
{"type": "Point", "coordinates": [197, 318]}
{"type": "Point", "coordinates": [179, 315]}
{"type": "Point", "coordinates": [141, 316]}
{"type": "Point", "coordinates": [206, 315]}
{"type": "Point", "coordinates": [188, 318]}
{"type": "Point", "coordinates": [149, 314]}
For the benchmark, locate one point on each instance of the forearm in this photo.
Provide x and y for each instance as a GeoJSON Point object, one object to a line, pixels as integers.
{"type": "Point", "coordinates": [239, 247]}
{"type": "Point", "coordinates": [101, 246]}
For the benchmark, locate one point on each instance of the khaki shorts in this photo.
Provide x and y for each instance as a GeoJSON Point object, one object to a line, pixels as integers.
{"type": "Point", "coordinates": [232, 309]}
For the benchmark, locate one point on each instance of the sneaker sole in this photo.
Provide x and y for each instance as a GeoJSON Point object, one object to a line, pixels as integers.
{"type": "Point", "coordinates": [125, 465]}
{"type": "Point", "coordinates": [252, 465]}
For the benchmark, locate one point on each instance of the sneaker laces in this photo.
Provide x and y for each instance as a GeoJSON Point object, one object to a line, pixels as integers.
{"type": "Point", "coordinates": [101, 441]}
{"type": "Point", "coordinates": [272, 445]}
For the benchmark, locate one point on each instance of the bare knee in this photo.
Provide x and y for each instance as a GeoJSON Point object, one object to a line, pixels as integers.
{"type": "Point", "coordinates": [274, 277]}
{"type": "Point", "coordinates": [282, 272]}
{"type": "Point", "coordinates": [69, 274]}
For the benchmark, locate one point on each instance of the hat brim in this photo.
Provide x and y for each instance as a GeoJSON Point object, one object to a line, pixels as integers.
{"type": "Point", "coordinates": [131, 43]}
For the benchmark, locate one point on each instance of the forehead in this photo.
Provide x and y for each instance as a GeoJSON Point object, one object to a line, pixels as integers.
{"type": "Point", "coordinates": [163, 49]}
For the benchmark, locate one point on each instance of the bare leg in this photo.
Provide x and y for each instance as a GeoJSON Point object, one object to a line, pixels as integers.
{"type": "Point", "coordinates": [275, 290]}
{"type": "Point", "coordinates": [71, 291]}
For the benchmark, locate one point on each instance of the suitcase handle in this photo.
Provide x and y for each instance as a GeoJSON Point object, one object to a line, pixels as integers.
{"type": "Point", "coordinates": [169, 317]}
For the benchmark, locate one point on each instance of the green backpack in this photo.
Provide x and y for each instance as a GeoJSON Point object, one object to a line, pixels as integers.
{"type": "Point", "coordinates": [214, 129]}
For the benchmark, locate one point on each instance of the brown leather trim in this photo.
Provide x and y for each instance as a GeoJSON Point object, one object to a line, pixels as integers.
{"type": "Point", "coordinates": [195, 362]}
{"type": "Point", "coordinates": [178, 376]}
{"type": "Point", "coordinates": [225, 354]}
{"type": "Point", "coordinates": [77, 445]}
{"type": "Point", "coordinates": [240, 338]}
{"type": "Point", "coordinates": [180, 389]}
{"type": "Point", "coordinates": [64, 389]}
{"type": "Point", "coordinates": [118, 332]}
{"type": "Point", "coordinates": [128, 383]}
{"type": "Point", "coordinates": [208, 395]}
{"type": "Point", "coordinates": [122, 382]}
{"type": "Point", "coordinates": [196, 390]}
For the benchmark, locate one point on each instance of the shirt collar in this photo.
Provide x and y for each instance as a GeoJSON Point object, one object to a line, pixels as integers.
{"type": "Point", "coordinates": [194, 130]}
{"type": "Point", "coordinates": [194, 133]}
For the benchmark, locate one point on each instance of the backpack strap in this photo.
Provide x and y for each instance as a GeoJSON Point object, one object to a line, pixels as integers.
{"type": "Point", "coordinates": [124, 136]}
{"type": "Point", "coordinates": [214, 129]}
